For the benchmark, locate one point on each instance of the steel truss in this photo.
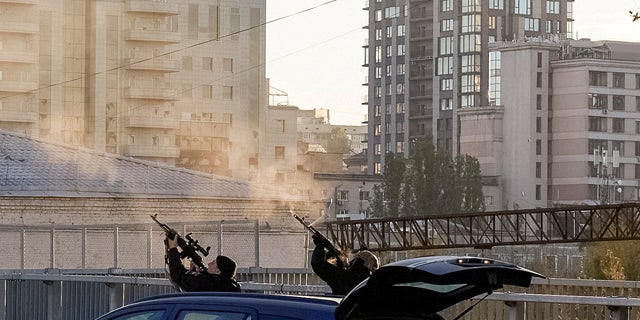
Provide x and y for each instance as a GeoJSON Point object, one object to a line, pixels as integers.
{"type": "Point", "coordinates": [488, 229]}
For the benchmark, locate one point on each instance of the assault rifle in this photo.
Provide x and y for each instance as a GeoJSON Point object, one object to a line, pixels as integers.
{"type": "Point", "coordinates": [333, 251]}
{"type": "Point", "coordinates": [190, 247]}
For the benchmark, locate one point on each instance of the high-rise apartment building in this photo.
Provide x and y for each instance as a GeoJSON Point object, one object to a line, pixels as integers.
{"type": "Point", "coordinates": [564, 130]}
{"type": "Point", "coordinates": [428, 59]}
{"type": "Point", "coordinates": [172, 81]}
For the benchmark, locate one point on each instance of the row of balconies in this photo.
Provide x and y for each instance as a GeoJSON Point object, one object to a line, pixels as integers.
{"type": "Point", "coordinates": [18, 56]}
{"type": "Point", "coordinates": [160, 36]}
{"type": "Point", "coordinates": [167, 7]}
{"type": "Point", "coordinates": [135, 150]}
{"type": "Point", "coordinates": [18, 26]}
{"type": "Point", "coordinates": [157, 64]}
{"type": "Point", "coordinates": [151, 121]}
{"type": "Point", "coordinates": [18, 116]}
{"type": "Point", "coordinates": [155, 93]}
{"type": "Point", "coordinates": [18, 85]}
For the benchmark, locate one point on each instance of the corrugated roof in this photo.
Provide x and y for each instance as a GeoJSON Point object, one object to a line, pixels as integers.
{"type": "Point", "coordinates": [31, 166]}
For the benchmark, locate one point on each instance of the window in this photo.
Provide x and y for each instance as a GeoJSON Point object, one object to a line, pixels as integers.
{"type": "Point", "coordinates": [538, 147]}
{"type": "Point", "coordinates": [471, 23]}
{"type": "Point", "coordinates": [538, 170]}
{"type": "Point", "coordinates": [400, 107]}
{"type": "Point", "coordinates": [212, 315]}
{"type": "Point", "coordinates": [471, 6]}
{"type": "Point", "coordinates": [445, 65]}
{"type": "Point", "coordinates": [378, 72]}
{"type": "Point", "coordinates": [279, 153]}
{"type": "Point", "coordinates": [376, 110]}
{"type": "Point", "coordinates": [378, 53]}
{"type": "Point", "coordinates": [227, 92]}
{"type": "Point", "coordinates": [378, 34]}
{"type": "Point", "coordinates": [538, 192]}
{"type": "Point", "coordinates": [637, 103]}
{"type": "Point", "coordinates": [391, 12]}
{"type": "Point", "coordinates": [400, 69]}
{"type": "Point", "coordinates": [531, 24]}
{"type": "Point", "coordinates": [400, 88]}
{"type": "Point", "coordinates": [446, 104]}
{"type": "Point", "coordinates": [618, 80]}
{"type": "Point", "coordinates": [401, 30]}
{"type": "Point", "coordinates": [618, 125]}
{"type": "Point", "coordinates": [378, 15]}
{"type": "Point", "coordinates": [388, 51]}
{"type": "Point", "coordinates": [553, 7]}
{"type": "Point", "coordinates": [377, 130]}
{"type": "Point", "coordinates": [495, 79]}
{"type": "Point", "coordinates": [147, 314]}
{"type": "Point", "coordinates": [468, 100]}
{"type": "Point", "coordinates": [399, 147]}
{"type": "Point", "coordinates": [207, 63]}
{"type": "Point", "coordinates": [280, 125]}
{"type": "Point", "coordinates": [522, 7]}
{"type": "Point", "coordinates": [389, 31]}
{"type": "Point", "coordinates": [637, 148]}
{"type": "Point", "coordinates": [399, 127]}
{"type": "Point", "coordinates": [446, 5]}
{"type": "Point", "coordinates": [598, 101]}
{"type": "Point", "coordinates": [446, 84]}
{"type": "Point", "coordinates": [207, 91]}
{"type": "Point", "coordinates": [470, 63]}
{"type": "Point", "coordinates": [389, 69]}
{"type": "Point", "coordinates": [637, 81]}
{"type": "Point", "coordinates": [618, 145]}
{"type": "Point", "coordinates": [496, 4]}
{"type": "Point", "coordinates": [618, 103]}
{"type": "Point", "coordinates": [470, 43]}
{"type": "Point", "coordinates": [377, 168]}
{"type": "Point", "coordinates": [446, 45]}
{"type": "Point", "coordinates": [446, 25]}
{"type": "Point", "coordinates": [377, 149]}
{"type": "Point", "coordinates": [538, 124]}
{"type": "Point", "coordinates": [378, 92]}
{"type": "Point", "coordinates": [538, 79]}
{"type": "Point", "coordinates": [470, 83]}
{"type": "Point", "coordinates": [492, 24]}
{"type": "Point", "coordinates": [538, 102]}
{"type": "Point", "coordinates": [227, 64]}
{"type": "Point", "coordinates": [401, 51]}
{"type": "Point", "coordinates": [539, 60]}
{"type": "Point", "coordinates": [598, 124]}
{"type": "Point", "coordinates": [597, 78]}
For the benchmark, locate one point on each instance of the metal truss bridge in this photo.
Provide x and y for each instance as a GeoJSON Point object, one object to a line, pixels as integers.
{"type": "Point", "coordinates": [488, 229]}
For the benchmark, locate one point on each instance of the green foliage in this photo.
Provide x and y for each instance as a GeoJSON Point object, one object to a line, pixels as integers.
{"type": "Point", "coordinates": [338, 142]}
{"type": "Point", "coordinates": [430, 182]}
{"type": "Point", "coordinates": [376, 203]}
{"type": "Point", "coordinates": [616, 260]}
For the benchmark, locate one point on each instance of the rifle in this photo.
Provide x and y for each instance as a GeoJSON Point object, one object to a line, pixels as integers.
{"type": "Point", "coordinates": [333, 251]}
{"type": "Point", "coordinates": [190, 247]}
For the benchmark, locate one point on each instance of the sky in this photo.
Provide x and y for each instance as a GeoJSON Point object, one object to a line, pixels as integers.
{"type": "Point", "coordinates": [315, 55]}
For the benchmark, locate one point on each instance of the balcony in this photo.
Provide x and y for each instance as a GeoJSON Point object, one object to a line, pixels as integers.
{"type": "Point", "coordinates": [153, 6]}
{"type": "Point", "coordinates": [18, 56]}
{"type": "Point", "coordinates": [18, 86]}
{"type": "Point", "coordinates": [152, 35]}
{"type": "Point", "coordinates": [151, 151]}
{"type": "Point", "coordinates": [19, 1]}
{"type": "Point", "coordinates": [142, 121]}
{"type": "Point", "coordinates": [18, 116]}
{"type": "Point", "coordinates": [157, 64]}
{"type": "Point", "coordinates": [155, 93]}
{"type": "Point", "coordinates": [9, 26]}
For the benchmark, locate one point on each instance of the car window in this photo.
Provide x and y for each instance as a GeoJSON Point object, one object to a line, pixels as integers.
{"type": "Point", "coordinates": [212, 315]}
{"type": "Point", "coordinates": [141, 315]}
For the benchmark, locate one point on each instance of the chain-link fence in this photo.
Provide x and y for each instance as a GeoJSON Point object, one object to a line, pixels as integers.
{"type": "Point", "coordinates": [141, 246]}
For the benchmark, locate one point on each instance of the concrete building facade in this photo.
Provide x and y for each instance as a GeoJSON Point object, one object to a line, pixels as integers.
{"type": "Point", "coordinates": [564, 129]}
{"type": "Point", "coordinates": [427, 60]}
{"type": "Point", "coordinates": [176, 82]}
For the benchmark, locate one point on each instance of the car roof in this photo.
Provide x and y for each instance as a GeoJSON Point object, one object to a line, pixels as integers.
{"type": "Point", "coordinates": [274, 304]}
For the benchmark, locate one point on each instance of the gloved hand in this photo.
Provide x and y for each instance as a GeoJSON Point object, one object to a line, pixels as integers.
{"type": "Point", "coordinates": [318, 240]}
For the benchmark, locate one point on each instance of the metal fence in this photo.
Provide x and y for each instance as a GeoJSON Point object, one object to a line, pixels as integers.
{"type": "Point", "coordinates": [141, 246]}
{"type": "Point", "coordinates": [54, 294]}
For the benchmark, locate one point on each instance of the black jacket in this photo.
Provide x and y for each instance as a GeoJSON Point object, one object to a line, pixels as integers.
{"type": "Point", "coordinates": [340, 279]}
{"type": "Point", "coordinates": [197, 282]}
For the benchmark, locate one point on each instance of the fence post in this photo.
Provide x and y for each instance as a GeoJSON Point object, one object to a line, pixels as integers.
{"type": "Point", "coordinates": [54, 296]}
{"type": "Point", "coordinates": [257, 243]}
{"type": "Point", "coordinates": [115, 247]}
{"type": "Point", "coordinates": [3, 299]}
{"type": "Point", "coordinates": [515, 310]}
{"type": "Point", "coordinates": [619, 312]}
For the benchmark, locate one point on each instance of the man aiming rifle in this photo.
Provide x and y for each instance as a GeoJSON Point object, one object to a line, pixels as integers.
{"type": "Point", "coordinates": [331, 265]}
{"type": "Point", "coordinates": [217, 275]}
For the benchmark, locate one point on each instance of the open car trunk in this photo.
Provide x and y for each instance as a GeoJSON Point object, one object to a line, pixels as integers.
{"type": "Point", "coordinates": [421, 287]}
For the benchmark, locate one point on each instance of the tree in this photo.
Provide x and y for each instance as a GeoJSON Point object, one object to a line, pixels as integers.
{"type": "Point", "coordinates": [394, 169]}
{"type": "Point", "coordinates": [429, 182]}
{"type": "Point", "coordinates": [612, 260]}
{"type": "Point", "coordinates": [338, 142]}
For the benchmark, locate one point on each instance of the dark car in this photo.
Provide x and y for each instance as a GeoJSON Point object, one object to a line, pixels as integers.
{"type": "Point", "coordinates": [410, 289]}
